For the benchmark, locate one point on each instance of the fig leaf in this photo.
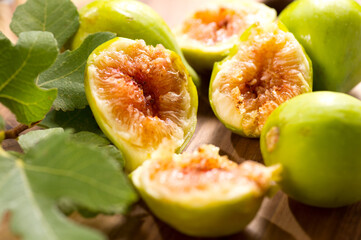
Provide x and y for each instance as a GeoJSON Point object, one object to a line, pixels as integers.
{"type": "Point", "coordinates": [61, 164]}
{"type": "Point", "coordinates": [67, 73]}
{"type": "Point", "coordinates": [78, 120]}
{"type": "Point", "coordinates": [59, 17]}
{"type": "Point", "coordinates": [30, 139]}
{"type": "Point", "coordinates": [20, 65]}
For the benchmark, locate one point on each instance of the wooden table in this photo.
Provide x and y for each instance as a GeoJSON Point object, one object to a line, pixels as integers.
{"type": "Point", "coordinates": [279, 218]}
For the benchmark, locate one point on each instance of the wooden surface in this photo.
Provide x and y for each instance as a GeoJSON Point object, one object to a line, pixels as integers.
{"type": "Point", "coordinates": [279, 218]}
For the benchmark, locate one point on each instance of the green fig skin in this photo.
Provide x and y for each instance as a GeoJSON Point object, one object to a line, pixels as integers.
{"type": "Point", "coordinates": [316, 137]}
{"type": "Point", "coordinates": [330, 31]}
{"type": "Point", "coordinates": [134, 156]}
{"type": "Point", "coordinates": [210, 221]}
{"type": "Point", "coordinates": [129, 19]}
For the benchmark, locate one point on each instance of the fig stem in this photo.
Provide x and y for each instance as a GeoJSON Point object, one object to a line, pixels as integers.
{"type": "Point", "coordinates": [14, 132]}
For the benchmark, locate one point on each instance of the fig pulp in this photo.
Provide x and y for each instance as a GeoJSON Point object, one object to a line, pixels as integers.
{"type": "Point", "coordinates": [202, 193]}
{"type": "Point", "coordinates": [329, 30]}
{"type": "Point", "coordinates": [267, 68]}
{"type": "Point", "coordinates": [209, 33]}
{"type": "Point", "coordinates": [128, 19]}
{"type": "Point", "coordinates": [316, 137]}
{"type": "Point", "coordinates": [140, 96]}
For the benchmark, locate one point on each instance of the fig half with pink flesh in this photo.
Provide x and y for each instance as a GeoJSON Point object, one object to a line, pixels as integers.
{"type": "Point", "coordinates": [140, 96]}
{"type": "Point", "coordinates": [202, 193]}
{"type": "Point", "coordinates": [265, 69]}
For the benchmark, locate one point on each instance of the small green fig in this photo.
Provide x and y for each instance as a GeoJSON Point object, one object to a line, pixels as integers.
{"type": "Point", "coordinates": [265, 69]}
{"type": "Point", "coordinates": [209, 33]}
{"type": "Point", "coordinates": [140, 96]}
{"type": "Point", "coordinates": [330, 32]}
{"type": "Point", "coordinates": [201, 193]}
{"type": "Point", "coordinates": [128, 19]}
{"type": "Point", "coordinates": [316, 137]}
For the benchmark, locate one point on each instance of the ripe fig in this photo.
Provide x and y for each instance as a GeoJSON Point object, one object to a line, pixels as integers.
{"type": "Point", "coordinates": [329, 30]}
{"type": "Point", "coordinates": [265, 69]}
{"type": "Point", "coordinates": [209, 33]}
{"type": "Point", "coordinates": [316, 137]}
{"type": "Point", "coordinates": [128, 19]}
{"type": "Point", "coordinates": [140, 95]}
{"type": "Point", "coordinates": [202, 193]}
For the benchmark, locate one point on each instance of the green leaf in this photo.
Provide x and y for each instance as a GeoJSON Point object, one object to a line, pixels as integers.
{"type": "Point", "coordinates": [58, 168]}
{"type": "Point", "coordinates": [19, 67]}
{"type": "Point", "coordinates": [30, 139]}
{"type": "Point", "coordinates": [78, 120]}
{"type": "Point", "coordinates": [67, 74]}
{"type": "Point", "coordinates": [59, 17]}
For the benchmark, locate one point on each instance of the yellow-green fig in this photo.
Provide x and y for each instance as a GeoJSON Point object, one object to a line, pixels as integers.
{"type": "Point", "coordinates": [202, 193]}
{"type": "Point", "coordinates": [330, 31]}
{"type": "Point", "coordinates": [140, 96]}
{"type": "Point", "coordinates": [208, 34]}
{"type": "Point", "coordinates": [317, 139]}
{"type": "Point", "coordinates": [265, 69]}
{"type": "Point", "coordinates": [129, 19]}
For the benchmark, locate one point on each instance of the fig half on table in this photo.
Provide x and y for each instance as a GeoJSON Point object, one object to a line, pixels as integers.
{"type": "Point", "coordinates": [265, 69]}
{"type": "Point", "coordinates": [140, 95]}
{"type": "Point", "coordinates": [202, 193]}
{"type": "Point", "coordinates": [207, 35]}
{"type": "Point", "coordinates": [128, 19]}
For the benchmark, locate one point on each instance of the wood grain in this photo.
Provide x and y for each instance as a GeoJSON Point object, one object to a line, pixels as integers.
{"type": "Point", "coordinates": [279, 218]}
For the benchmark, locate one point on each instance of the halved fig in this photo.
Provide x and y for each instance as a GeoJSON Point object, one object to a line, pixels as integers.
{"type": "Point", "coordinates": [209, 33]}
{"type": "Point", "coordinates": [267, 68]}
{"type": "Point", "coordinates": [202, 193]}
{"type": "Point", "coordinates": [140, 96]}
{"type": "Point", "coordinates": [128, 19]}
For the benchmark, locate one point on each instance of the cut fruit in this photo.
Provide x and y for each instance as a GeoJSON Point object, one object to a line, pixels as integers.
{"type": "Point", "coordinates": [208, 34]}
{"type": "Point", "coordinates": [140, 96]}
{"type": "Point", "coordinates": [267, 68]}
{"type": "Point", "coordinates": [317, 139]}
{"type": "Point", "coordinates": [203, 194]}
{"type": "Point", "coordinates": [128, 19]}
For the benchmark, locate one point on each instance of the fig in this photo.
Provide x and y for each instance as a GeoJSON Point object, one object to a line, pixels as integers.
{"type": "Point", "coordinates": [128, 19]}
{"type": "Point", "coordinates": [265, 69]}
{"type": "Point", "coordinates": [202, 193]}
{"type": "Point", "coordinates": [316, 137]}
{"type": "Point", "coordinates": [209, 33]}
{"type": "Point", "coordinates": [140, 96]}
{"type": "Point", "coordinates": [329, 30]}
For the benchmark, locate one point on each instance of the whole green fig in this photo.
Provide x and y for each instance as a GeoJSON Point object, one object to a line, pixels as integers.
{"type": "Point", "coordinates": [316, 137]}
{"type": "Point", "coordinates": [330, 32]}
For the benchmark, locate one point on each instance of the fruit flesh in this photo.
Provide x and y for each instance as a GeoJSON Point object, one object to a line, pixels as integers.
{"type": "Point", "coordinates": [316, 138]}
{"type": "Point", "coordinates": [209, 33]}
{"type": "Point", "coordinates": [202, 193]}
{"type": "Point", "coordinates": [267, 68]}
{"type": "Point", "coordinates": [143, 96]}
{"type": "Point", "coordinates": [213, 26]}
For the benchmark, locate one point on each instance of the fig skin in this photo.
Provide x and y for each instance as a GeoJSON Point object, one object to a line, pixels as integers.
{"type": "Point", "coordinates": [202, 57]}
{"type": "Point", "coordinates": [129, 19]}
{"type": "Point", "coordinates": [330, 32]}
{"type": "Point", "coordinates": [216, 213]}
{"type": "Point", "coordinates": [135, 156]}
{"type": "Point", "coordinates": [219, 65]}
{"type": "Point", "coordinates": [316, 137]}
